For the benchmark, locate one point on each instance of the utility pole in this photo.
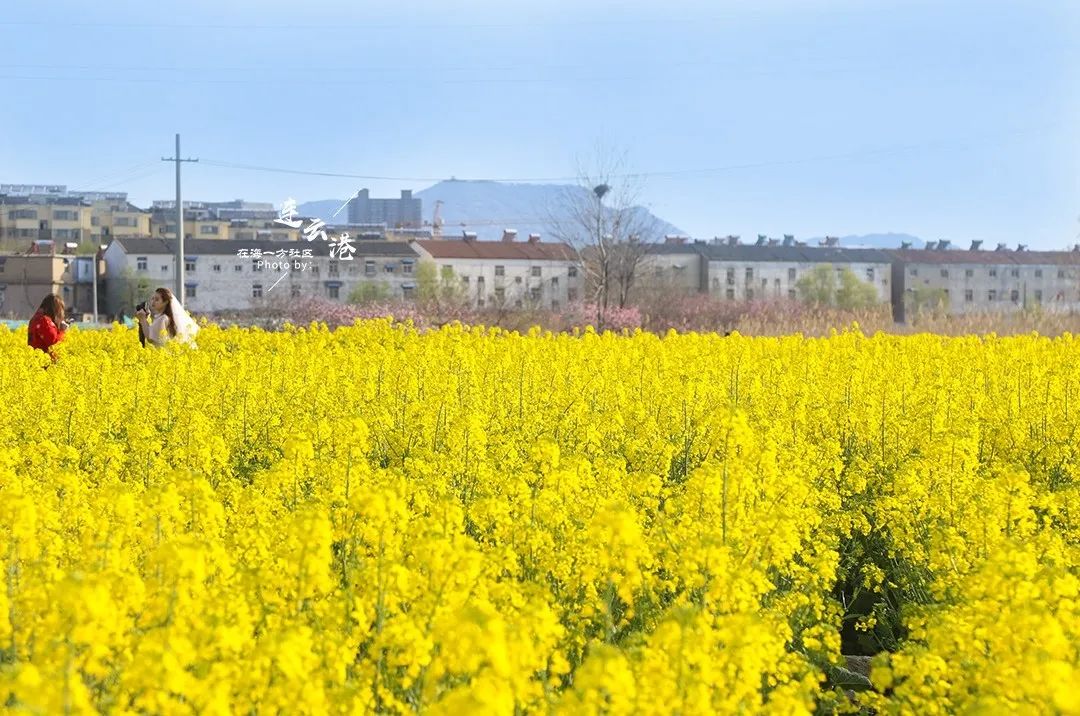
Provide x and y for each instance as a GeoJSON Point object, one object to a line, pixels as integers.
{"type": "Point", "coordinates": [179, 291]}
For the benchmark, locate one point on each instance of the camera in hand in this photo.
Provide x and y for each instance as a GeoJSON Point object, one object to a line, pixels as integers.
{"type": "Point", "coordinates": [142, 336]}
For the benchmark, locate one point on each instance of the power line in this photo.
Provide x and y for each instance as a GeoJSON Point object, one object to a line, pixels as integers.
{"type": "Point", "coordinates": [880, 151]}
{"type": "Point", "coordinates": [290, 27]}
{"type": "Point", "coordinates": [277, 81]}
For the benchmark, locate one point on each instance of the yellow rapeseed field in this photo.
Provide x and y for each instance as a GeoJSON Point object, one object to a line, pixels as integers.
{"type": "Point", "coordinates": [468, 521]}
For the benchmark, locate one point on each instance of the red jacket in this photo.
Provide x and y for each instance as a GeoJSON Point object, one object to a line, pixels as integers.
{"type": "Point", "coordinates": [42, 333]}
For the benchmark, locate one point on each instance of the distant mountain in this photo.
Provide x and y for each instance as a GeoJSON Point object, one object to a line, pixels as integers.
{"type": "Point", "coordinates": [874, 241]}
{"type": "Point", "coordinates": [486, 207]}
{"type": "Point", "coordinates": [324, 209]}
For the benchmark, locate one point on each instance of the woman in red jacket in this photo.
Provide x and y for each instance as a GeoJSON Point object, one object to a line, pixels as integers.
{"type": "Point", "coordinates": [47, 327]}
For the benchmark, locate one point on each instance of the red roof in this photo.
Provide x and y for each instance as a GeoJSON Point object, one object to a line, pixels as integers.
{"type": "Point", "coordinates": [509, 250]}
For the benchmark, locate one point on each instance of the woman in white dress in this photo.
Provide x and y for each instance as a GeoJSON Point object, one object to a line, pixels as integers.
{"type": "Point", "coordinates": [166, 320]}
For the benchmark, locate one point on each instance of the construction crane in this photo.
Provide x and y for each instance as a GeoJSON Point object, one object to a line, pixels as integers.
{"type": "Point", "coordinates": [436, 220]}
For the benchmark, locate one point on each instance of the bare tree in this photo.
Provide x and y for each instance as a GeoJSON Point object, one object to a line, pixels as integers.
{"type": "Point", "coordinates": [601, 219]}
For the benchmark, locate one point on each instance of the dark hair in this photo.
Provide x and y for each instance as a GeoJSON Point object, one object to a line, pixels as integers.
{"type": "Point", "coordinates": [167, 297]}
{"type": "Point", "coordinates": [53, 307]}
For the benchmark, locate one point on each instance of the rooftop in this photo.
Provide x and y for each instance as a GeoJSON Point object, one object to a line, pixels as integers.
{"type": "Point", "coordinates": [472, 249]}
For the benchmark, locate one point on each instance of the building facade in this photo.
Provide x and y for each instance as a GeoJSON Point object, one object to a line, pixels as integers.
{"type": "Point", "coordinates": [224, 220]}
{"type": "Point", "coordinates": [978, 281]}
{"type": "Point", "coordinates": [508, 274]}
{"type": "Point", "coordinates": [26, 279]}
{"type": "Point", "coordinates": [237, 275]}
{"type": "Point", "coordinates": [69, 219]}
{"type": "Point", "coordinates": [953, 280]}
{"type": "Point", "coordinates": [403, 212]}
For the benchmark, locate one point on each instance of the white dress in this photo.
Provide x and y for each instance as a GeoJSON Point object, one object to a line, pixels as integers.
{"type": "Point", "coordinates": [158, 332]}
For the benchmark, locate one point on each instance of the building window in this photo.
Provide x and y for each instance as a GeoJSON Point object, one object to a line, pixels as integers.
{"type": "Point", "coordinates": [764, 284]}
{"type": "Point", "coordinates": [406, 267]}
{"type": "Point", "coordinates": [572, 272]}
{"type": "Point", "coordinates": [369, 267]}
{"type": "Point", "coordinates": [791, 293]}
{"type": "Point", "coordinates": [255, 266]}
{"type": "Point", "coordinates": [1038, 295]}
{"type": "Point", "coordinates": [749, 294]}
{"type": "Point", "coordinates": [731, 277]}
{"type": "Point", "coordinates": [991, 295]}
{"type": "Point", "coordinates": [464, 280]}
{"type": "Point", "coordinates": [571, 294]}
{"type": "Point", "coordinates": [140, 263]}
{"type": "Point", "coordinates": [164, 268]}
{"type": "Point", "coordinates": [256, 290]}
{"type": "Point", "coordinates": [517, 279]}
{"type": "Point", "coordinates": [66, 215]}
{"type": "Point", "coordinates": [500, 270]}
{"type": "Point", "coordinates": [408, 291]}
{"type": "Point", "coordinates": [294, 290]}
{"type": "Point", "coordinates": [500, 294]}
{"type": "Point", "coordinates": [217, 268]}
{"type": "Point", "coordinates": [534, 293]}
{"type": "Point", "coordinates": [189, 265]}
{"type": "Point", "coordinates": [333, 268]}
{"type": "Point", "coordinates": [969, 295]}
{"type": "Point", "coordinates": [791, 274]}
{"type": "Point", "coordinates": [913, 272]}
{"type": "Point", "coordinates": [969, 273]}
{"type": "Point", "coordinates": [1015, 273]}
{"type": "Point", "coordinates": [944, 273]}
{"type": "Point", "coordinates": [730, 293]}
{"type": "Point", "coordinates": [1014, 295]}
{"type": "Point", "coordinates": [993, 272]}
{"type": "Point", "coordinates": [208, 229]}
{"type": "Point", "coordinates": [388, 268]}
{"type": "Point", "coordinates": [1038, 273]}
{"type": "Point", "coordinates": [749, 275]}
{"type": "Point", "coordinates": [870, 274]}
{"type": "Point", "coordinates": [190, 290]}
{"type": "Point", "coordinates": [536, 271]}
{"type": "Point", "coordinates": [554, 281]}
{"type": "Point", "coordinates": [237, 268]}
{"type": "Point", "coordinates": [1061, 273]}
{"type": "Point", "coordinates": [333, 291]}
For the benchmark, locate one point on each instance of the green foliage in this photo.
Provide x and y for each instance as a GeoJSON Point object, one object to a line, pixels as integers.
{"type": "Point", "coordinates": [824, 285]}
{"type": "Point", "coordinates": [435, 285]}
{"type": "Point", "coordinates": [921, 300]}
{"type": "Point", "coordinates": [370, 292]}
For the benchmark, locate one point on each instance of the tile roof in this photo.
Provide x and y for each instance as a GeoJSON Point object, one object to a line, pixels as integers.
{"type": "Point", "coordinates": [509, 250]}
{"type": "Point", "coordinates": [961, 256]}
{"type": "Point", "coordinates": [788, 254]}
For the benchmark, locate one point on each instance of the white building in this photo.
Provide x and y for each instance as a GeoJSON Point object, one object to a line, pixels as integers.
{"type": "Point", "coordinates": [232, 275]}
{"type": "Point", "coordinates": [508, 273]}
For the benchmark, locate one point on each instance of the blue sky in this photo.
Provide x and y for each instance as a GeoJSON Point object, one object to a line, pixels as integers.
{"type": "Point", "coordinates": [943, 119]}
